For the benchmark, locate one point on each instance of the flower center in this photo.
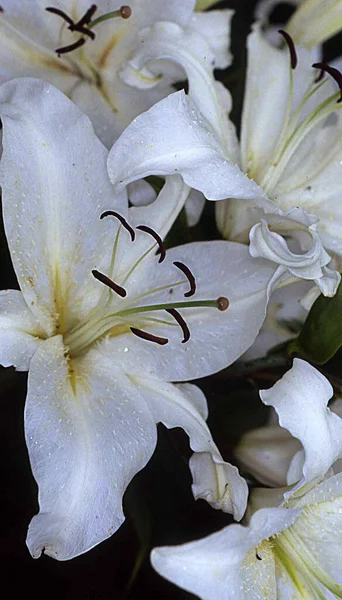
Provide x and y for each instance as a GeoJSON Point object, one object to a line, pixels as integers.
{"type": "Point", "coordinates": [130, 315]}
{"type": "Point", "coordinates": [303, 568]}
{"type": "Point", "coordinates": [85, 24]}
{"type": "Point", "coordinates": [296, 127]}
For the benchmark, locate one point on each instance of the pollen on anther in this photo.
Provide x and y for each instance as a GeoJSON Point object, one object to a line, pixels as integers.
{"type": "Point", "coordinates": [222, 303]}
{"type": "Point", "coordinates": [125, 11]}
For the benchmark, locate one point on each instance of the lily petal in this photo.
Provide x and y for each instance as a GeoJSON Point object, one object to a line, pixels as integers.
{"type": "Point", "coordinates": [220, 269]}
{"type": "Point", "coordinates": [181, 406]}
{"type": "Point", "coordinates": [300, 399]}
{"type": "Point", "coordinates": [215, 27]}
{"type": "Point", "coordinates": [173, 137]}
{"type": "Point", "coordinates": [224, 564]}
{"type": "Point", "coordinates": [88, 431]}
{"type": "Point", "coordinates": [21, 335]}
{"type": "Point", "coordinates": [51, 206]}
{"type": "Point", "coordinates": [168, 41]}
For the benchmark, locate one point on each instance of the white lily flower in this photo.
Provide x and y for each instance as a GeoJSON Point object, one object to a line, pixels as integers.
{"type": "Point", "coordinates": [287, 551]}
{"type": "Point", "coordinates": [290, 142]}
{"type": "Point", "coordinates": [101, 360]}
{"type": "Point", "coordinates": [96, 74]}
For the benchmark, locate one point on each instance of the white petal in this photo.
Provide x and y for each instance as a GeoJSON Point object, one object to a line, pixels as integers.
{"type": "Point", "coordinates": [286, 313]}
{"type": "Point", "coordinates": [88, 432]}
{"type": "Point", "coordinates": [194, 207]}
{"type": "Point", "coordinates": [266, 453]}
{"type": "Point", "coordinates": [300, 399]}
{"type": "Point", "coordinates": [314, 22]}
{"type": "Point", "coordinates": [224, 565]}
{"type": "Point", "coordinates": [266, 98]}
{"type": "Point", "coordinates": [172, 137]}
{"type": "Point", "coordinates": [217, 338]}
{"type": "Point", "coordinates": [185, 406]}
{"type": "Point", "coordinates": [190, 50]}
{"type": "Point", "coordinates": [274, 237]}
{"type": "Point", "coordinates": [141, 193]}
{"type": "Point", "coordinates": [21, 55]}
{"type": "Point", "coordinates": [20, 333]}
{"type": "Point", "coordinates": [215, 27]}
{"type": "Point", "coordinates": [52, 200]}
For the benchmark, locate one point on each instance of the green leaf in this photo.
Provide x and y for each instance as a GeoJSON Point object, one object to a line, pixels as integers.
{"type": "Point", "coordinates": [321, 335]}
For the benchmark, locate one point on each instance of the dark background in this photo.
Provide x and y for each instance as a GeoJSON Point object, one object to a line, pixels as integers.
{"type": "Point", "coordinates": [158, 503]}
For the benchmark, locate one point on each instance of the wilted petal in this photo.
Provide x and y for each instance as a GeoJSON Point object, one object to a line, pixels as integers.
{"type": "Point", "coordinates": [88, 431]}
{"type": "Point", "coordinates": [300, 399]}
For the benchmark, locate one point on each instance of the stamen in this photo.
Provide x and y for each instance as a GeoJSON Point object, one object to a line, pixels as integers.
{"type": "Point", "coordinates": [290, 43]}
{"type": "Point", "coordinates": [178, 317]}
{"type": "Point", "coordinates": [125, 11]}
{"type": "Point", "coordinates": [335, 74]}
{"type": "Point", "coordinates": [79, 26]}
{"type": "Point", "coordinates": [111, 284]}
{"type": "Point", "coordinates": [158, 239]}
{"type": "Point", "coordinates": [122, 220]}
{"type": "Point", "coordinates": [190, 277]}
{"type": "Point", "coordinates": [222, 303]}
{"type": "Point", "coordinates": [71, 47]}
{"type": "Point", "coordinates": [87, 17]}
{"type": "Point", "coordinates": [321, 73]}
{"type": "Point", "coordinates": [60, 13]}
{"type": "Point", "coordinates": [149, 337]}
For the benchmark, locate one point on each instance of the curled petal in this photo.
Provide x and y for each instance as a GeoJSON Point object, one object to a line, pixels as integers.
{"type": "Point", "coordinates": [300, 399]}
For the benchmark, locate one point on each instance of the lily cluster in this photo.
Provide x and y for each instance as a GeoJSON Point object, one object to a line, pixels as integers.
{"type": "Point", "coordinates": [99, 158]}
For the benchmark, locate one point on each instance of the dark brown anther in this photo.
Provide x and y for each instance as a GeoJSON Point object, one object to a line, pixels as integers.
{"type": "Point", "coordinates": [190, 277]}
{"type": "Point", "coordinates": [257, 556]}
{"type": "Point", "coordinates": [1, 9]}
{"type": "Point", "coordinates": [112, 213]}
{"type": "Point", "coordinates": [111, 284]}
{"type": "Point", "coordinates": [125, 12]}
{"type": "Point", "coordinates": [321, 73]}
{"type": "Point", "coordinates": [72, 47]}
{"type": "Point", "coordinates": [178, 317]}
{"type": "Point", "coordinates": [158, 239]}
{"type": "Point", "coordinates": [61, 14]}
{"type": "Point", "coordinates": [149, 337]}
{"type": "Point", "coordinates": [293, 54]}
{"type": "Point", "coordinates": [222, 303]}
{"type": "Point", "coordinates": [87, 17]}
{"type": "Point", "coordinates": [335, 74]}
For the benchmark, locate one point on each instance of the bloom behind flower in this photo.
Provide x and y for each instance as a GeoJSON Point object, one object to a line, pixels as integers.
{"type": "Point", "coordinates": [291, 550]}
{"type": "Point", "coordinates": [104, 324]}
{"type": "Point", "coordinates": [43, 43]}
